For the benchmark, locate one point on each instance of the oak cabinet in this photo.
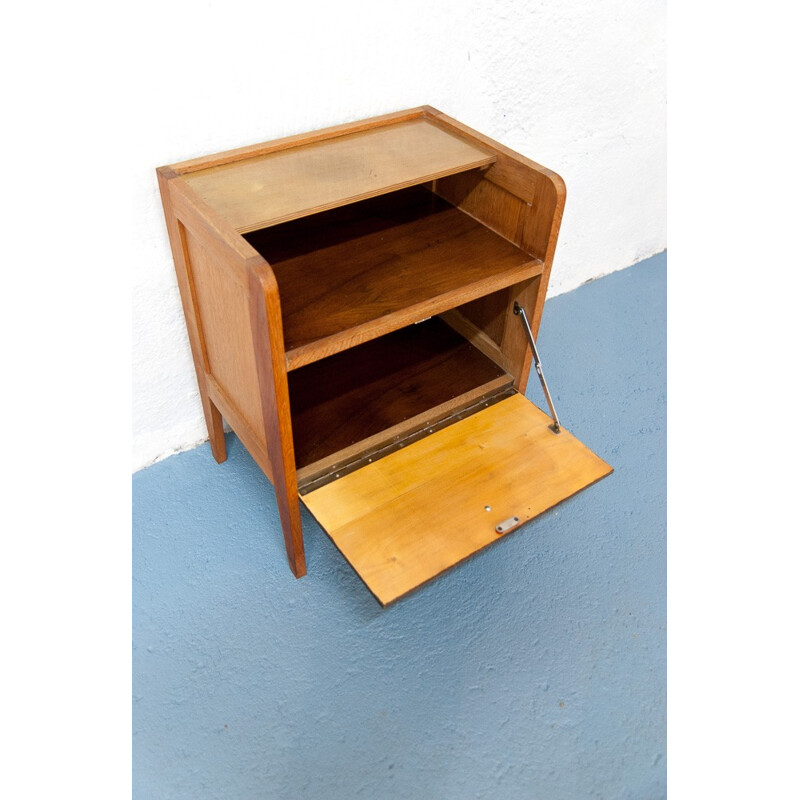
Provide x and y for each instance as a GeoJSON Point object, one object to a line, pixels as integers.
{"type": "Point", "coordinates": [350, 298]}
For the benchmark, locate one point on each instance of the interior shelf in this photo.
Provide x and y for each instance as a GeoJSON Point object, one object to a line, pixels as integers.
{"type": "Point", "coordinates": [366, 397]}
{"type": "Point", "coordinates": [354, 273]}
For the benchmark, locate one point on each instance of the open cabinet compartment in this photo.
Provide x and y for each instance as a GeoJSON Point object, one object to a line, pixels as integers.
{"type": "Point", "coordinates": [349, 298]}
{"type": "Point", "coordinates": [352, 407]}
{"type": "Point", "coordinates": [353, 273]}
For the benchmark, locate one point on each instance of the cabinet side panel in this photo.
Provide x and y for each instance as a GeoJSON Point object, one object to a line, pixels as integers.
{"type": "Point", "coordinates": [505, 213]}
{"type": "Point", "coordinates": [476, 195]}
{"type": "Point", "coordinates": [499, 210]}
{"type": "Point", "coordinates": [539, 227]}
{"type": "Point", "coordinates": [488, 314]}
{"type": "Point", "coordinates": [223, 306]}
{"type": "Point", "coordinates": [543, 194]}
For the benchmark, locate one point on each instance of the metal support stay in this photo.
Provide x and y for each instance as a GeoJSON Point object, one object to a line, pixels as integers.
{"type": "Point", "coordinates": [520, 312]}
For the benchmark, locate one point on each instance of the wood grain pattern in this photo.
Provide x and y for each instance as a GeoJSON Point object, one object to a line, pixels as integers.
{"type": "Point", "coordinates": [217, 236]}
{"type": "Point", "coordinates": [223, 309]}
{"type": "Point", "coordinates": [253, 442]}
{"type": "Point", "coordinates": [474, 194]}
{"type": "Point", "coordinates": [404, 519]}
{"type": "Point", "coordinates": [544, 193]}
{"type": "Point", "coordinates": [233, 315]}
{"type": "Point", "coordinates": [516, 173]}
{"type": "Point", "coordinates": [355, 273]}
{"type": "Point", "coordinates": [380, 444]}
{"type": "Point", "coordinates": [265, 319]}
{"type": "Point", "coordinates": [364, 397]}
{"type": "Point", "coordinates": [177, 241]}
{"type": "Point", "coordinates": [503, 212]}
{"type": "Point", "coordinates": [288, 142]}
{"type": "Point", "coordinates": [524, 202]}
{"type": "Point", "coordinates": [488, 314]}
{"type": "Point", "coordinates": [309, 178]}
{"type": "Point", "coordinates": [515, 340]}
{"type": "Point", "coordinates": [477, 336]}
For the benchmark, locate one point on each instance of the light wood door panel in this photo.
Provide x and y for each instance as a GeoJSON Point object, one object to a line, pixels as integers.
{"type": "Point", "coordinates": [404, 519]}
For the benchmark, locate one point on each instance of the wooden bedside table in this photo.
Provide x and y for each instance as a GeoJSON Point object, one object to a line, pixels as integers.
{"type": "Point", "coordinates": [357, 301]}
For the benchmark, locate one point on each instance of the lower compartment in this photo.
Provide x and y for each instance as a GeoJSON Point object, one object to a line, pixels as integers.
{"type": "Point", "coordinates": [355, 403]}
{"type": "Point", "coordinates": [410, 515]}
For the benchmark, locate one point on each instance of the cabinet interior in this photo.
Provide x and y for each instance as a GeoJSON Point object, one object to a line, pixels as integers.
{"type": "Point", "coordinates": [354, 273]}
{"type": "Point", "coordinates": [364, 402]}
{"type": "Point", "coordinates": [394, 312]}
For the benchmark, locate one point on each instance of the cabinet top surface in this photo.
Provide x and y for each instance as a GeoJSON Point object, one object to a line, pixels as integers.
{"type": "Point", "coordinates": [303, 179]}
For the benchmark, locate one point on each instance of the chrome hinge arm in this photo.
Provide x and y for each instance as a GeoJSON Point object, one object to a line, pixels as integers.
{"type": "Point", "coordinates": [520, 312]}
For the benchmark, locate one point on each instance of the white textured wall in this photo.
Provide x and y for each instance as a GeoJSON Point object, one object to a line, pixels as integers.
{"type": "Point", "coordinates": [578, 86]}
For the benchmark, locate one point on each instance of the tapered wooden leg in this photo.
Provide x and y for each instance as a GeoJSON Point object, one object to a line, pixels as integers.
{"type": "Point", "coordinates": [289, 509]}
{"type": "Point", "coordinates": [216, 433]}
{"type": "Point", "coordinates": [177, 243]}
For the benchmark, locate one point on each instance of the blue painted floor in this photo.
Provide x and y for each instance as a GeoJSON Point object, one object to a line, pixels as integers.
{"type": "Point", "coordinates": [536, 669]}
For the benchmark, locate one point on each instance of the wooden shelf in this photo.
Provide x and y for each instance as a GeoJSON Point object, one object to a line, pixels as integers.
{"type": "Point", "coordinates": [365, 397]}
{"type": "Point", "coordinates": [354, 273]}
{"type": "Point", "coordinates": [300, 180]}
